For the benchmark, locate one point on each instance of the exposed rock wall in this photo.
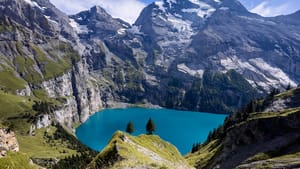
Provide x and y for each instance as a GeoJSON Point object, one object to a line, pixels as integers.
{"type": "Point", "coordinates": [80, 94]}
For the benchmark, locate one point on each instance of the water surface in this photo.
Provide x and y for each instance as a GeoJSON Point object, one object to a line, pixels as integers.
{"type": "Point", "coordinates": [181, 128]}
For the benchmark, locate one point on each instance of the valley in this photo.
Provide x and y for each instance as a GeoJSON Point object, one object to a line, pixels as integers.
{"type": "Point", "coordinates": [57, 71]}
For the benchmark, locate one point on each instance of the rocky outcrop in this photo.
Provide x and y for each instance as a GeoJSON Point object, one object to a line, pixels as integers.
{"type": "Point", "coordinates": [8, 142]}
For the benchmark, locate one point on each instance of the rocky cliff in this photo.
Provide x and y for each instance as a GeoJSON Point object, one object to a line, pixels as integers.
{"type": "Point", "coordinates": [40, 57]}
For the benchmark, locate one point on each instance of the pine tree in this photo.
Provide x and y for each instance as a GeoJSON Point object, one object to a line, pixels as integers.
{"type": "Point", "coordinates": [130, 128]}
{"type": "Point", "coordinates": [150, 127]}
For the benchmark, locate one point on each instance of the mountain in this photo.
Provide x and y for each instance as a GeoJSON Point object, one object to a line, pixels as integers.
{"type": "Point", "coordinates": [222, 35]}
{"type": "Point", "coordinates": [58, 70]}
{"type": "Point", "coordinates": [126, 53]}
{"type": "Point", "coordinates": [264, 134]}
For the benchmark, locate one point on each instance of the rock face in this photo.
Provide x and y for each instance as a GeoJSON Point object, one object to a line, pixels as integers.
{"type": "Point", "coordinates": [8, 142]}
{"type": "Point", "coordinates": [37, 48]}
{"type": "Point", "coordinates": [222, 35]}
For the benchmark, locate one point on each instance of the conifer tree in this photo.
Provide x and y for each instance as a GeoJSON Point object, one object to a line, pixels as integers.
{"type": "Point", "coordinates": [130, 128]}
{"type": "Point", "coordinates": [150, 127]}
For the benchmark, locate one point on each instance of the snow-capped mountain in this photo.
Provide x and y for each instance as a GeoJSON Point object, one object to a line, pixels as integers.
{"type": "Point", "coordinates": [197, 35]}
{"type": "Point", "coordinates": [183, 54]}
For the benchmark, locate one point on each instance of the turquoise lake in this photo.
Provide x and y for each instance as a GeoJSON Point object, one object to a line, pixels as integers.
{"type": "Point", "coordinates": [181, 128]}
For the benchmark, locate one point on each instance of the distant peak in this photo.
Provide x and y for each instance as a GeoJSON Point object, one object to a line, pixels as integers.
{"type": "Point", "coordinates": [98, 10]}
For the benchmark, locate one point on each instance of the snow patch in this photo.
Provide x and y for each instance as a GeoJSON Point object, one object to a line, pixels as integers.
{"type": "Point", "coordinates": [201, 12]}
{"type": "Point", "coordinates": [181, 25]}
{"type": "Point", "coordinates": [183, 68]}
{"type": "Point", "coordinates": [224, 8]}
{"type": "Point", "coordinates": [204, 10]}
{"type": "Point", "coordinates": [274, 77]}
{"type": "Point", "coordinates": [135, 30]}
{"type": "Point", "coordinates": [160, 5]}
{"type": "Point", "coordinates": [50, 20]}
{"type": "Point", "coordinates": [33, 4]}
{"type": "Point", "coordinates": [121, 31]}
{"type": "Point", "coordinates": [78, 28]}
{"type": "Point", "coordinates": [277, 73]}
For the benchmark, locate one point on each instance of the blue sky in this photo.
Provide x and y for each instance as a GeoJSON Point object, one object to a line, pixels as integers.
{"type": "Point", "coordinates": [129, 10]}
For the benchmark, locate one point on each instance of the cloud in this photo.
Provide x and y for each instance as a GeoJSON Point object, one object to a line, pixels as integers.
{"type": "Point", "coordinates": [127, 10]}
{"type": "Point", "coordinates": [274, 7]}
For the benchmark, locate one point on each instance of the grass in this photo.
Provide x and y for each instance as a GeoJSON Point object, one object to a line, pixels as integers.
{"type": "Point", "coordinates": [263, 115]}
{"type": "Point", "coordinates": [263, 161]}
{"type": "Point", "coordinates": [53, 65]}
{"type": "Point", "coordinates": [49, 67]}
{"type": "Point", "coordinates": [40, 94]}
{"type": "Point", "coordinates": [5, 28]}
{"type": "Point", "coordinates": [38, 147]}
{"type": "Point", "coordinates": [155, 144]}
{"type": "Point", "coordinates": [285, 94]}
{"type": "Point", "coordinates": [9, 82]}
{"type": "Point", "coordinates": [13, 106]}
{"type": "Point", "coordinates": [25, 66]}
{"type": "Point", "coordinates": [15, 160]}
{"type": "Point", "coordinates": [143, 150]}
{"type": "Point", "coordinates": [202, 157]}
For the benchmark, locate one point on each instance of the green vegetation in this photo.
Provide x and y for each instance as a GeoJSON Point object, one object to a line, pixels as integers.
{"type": "Point", "coordinates": [25, 67]}
{"type": "Point", "coordinates": [55, 142]}
{"type": "Point", "coordinates": [14, 106]}
{"type": "Point", "coordinates": [50, 67]}
{"type": "Point", "coordinates": [251, 125]}
{"type": "Point", "coordinates": [283, 113]}
{"type": "Point", "coordinates": [207, 94]}
{"type": "Point", "coordinates": [43, 144]}
{"type": "Point", "coordinates": [263, 161]}
{"type": "Point", "coordinates": [130, 128]}
{"type": "Point", "coordinates": [9, 82]}
{"type": "Point", "coordinates": [150, 127]}
{"type": "Point", "coordinates": [16, 161]}
{"type": "Point", "coordinates": [204, 155]}
{"type": "Point", "coordinates": [5, 28]}
{"type": "Point", "coordinates": [125, 151]}
{"type": "Point", "coordinates": [40, 94]}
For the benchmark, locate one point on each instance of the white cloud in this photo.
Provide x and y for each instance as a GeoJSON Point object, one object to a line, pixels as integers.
{"type": "Point", "coordinates": [128, 10]}
{"type": "Point", "coordinates": [274, 7]}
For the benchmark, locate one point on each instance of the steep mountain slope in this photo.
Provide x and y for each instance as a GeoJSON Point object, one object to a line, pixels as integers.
{"type": "Point", "coordinates": [221, 35]}
{"type": "Point", "coordinates": [40, 56]}
{"type": "Point", "coordinates": [265, 134]}
{"type": "Point", "coordinates": [121, 56]}
{"type": "Point", "coordinates": [144, 151]}
{"type": "Point", "coordinates": [43, 81]}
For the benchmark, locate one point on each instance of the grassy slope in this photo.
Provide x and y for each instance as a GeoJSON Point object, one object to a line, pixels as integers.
{"type": "Point", "coordinates": [31, 64]}
{"type": "Point", "coordinates": [263, 159]}
{"type": "Point", "coordinates": [14, 106]}
{"type": "Point", "coordinates": [202, 157]}
{"type": "Point", "coordinates": [16, 161]}
{"type": "Point", "coordinates": [40, 147]}
{"type": "Point", "coordinates": [144, 150]}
